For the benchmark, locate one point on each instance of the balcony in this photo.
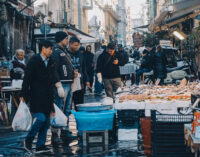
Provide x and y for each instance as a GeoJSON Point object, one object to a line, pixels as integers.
{"type": "Point", "coordinates": [112, 12]}
{"type": "Point", "coordinates": [87, 4]}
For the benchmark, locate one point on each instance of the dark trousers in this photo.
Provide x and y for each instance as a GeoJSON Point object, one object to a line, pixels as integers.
{"type": "Point", "coordinates": [78, 97]}
{"type": "Point", "coordinates": [40, 127]}
{"type": "Point", "coordinates": [91, 78]}
{"type": "Point", "coordinates": [139, 73]}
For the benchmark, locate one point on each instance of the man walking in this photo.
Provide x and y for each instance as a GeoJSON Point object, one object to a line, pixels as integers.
{"type": "Point", "coordinates": [108, 65]}
{"type": "Point", "coordinates": [64, 75]}
{"type": "Point", "coordinates": [79, 65]}
{"type": "Point", "coordinates": [37, 90]}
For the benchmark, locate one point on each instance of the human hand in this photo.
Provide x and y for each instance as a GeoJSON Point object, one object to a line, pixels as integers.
{"type": "Point", "coordinates": [61, 92]}
{"type": "Point", "coordinates": [22, 99]}
{"type": "Point", "coordinates": [88, 84]}
{"type": "Point", "coordinates": [116, 61]}
{"type": "Point", "coordinates": [52, 114]}
{"type": "Point", "coordinates": [76, 73]}
{"type": "Point", "coordinates": [99, 76]}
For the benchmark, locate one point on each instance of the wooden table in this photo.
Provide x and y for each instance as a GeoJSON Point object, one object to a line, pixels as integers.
{"type": "Point", "coordinates": [11, 91]}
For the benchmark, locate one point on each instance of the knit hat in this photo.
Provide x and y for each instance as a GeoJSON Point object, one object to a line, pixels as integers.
{"type": "Point", "coordinates": [60, 36]}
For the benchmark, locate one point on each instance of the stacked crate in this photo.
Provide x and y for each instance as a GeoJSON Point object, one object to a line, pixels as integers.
{"type": "Point", "coordinates": [167, 134]}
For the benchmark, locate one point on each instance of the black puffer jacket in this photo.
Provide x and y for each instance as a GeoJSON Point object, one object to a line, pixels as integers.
{"type": "Point", "coordinates": [146, 62]}
{"type": "Point", "coordinates": [159, 67]}
{"type": "Point", "coordinates": [38, 83]}
{"type": "Point", "coordinates": [64, 67]}
{"type": "Point", "coordinates": [107, 68]}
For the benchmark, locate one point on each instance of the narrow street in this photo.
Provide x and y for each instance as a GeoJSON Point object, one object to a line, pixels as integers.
{"type": "Point", "coordinates": [128, 144]}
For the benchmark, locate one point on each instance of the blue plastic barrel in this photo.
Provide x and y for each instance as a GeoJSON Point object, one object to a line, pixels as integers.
{"type": "Point", "coordinates": [93, 121]}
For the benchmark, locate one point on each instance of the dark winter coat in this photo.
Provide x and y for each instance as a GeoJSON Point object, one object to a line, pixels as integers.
{"type": "Point", "coordinates": [106, 67]}
{"type": "Point", "coordinates": [146, 62]}
{"type": "Point", "coordinates": [64, 68]}
{"type": "Point", "coordinates": [159, 67]}
{"type": "Point", "coordinates": [124, 56]}
{"type": "Point", "coordinates": [78, 62]}
{"type": "Point", "coordinates": [17, 72]}
{"type": "Point", "coordinates": [38, 83]}
{"type": "Point", "coordinates": [136, 55]}
{"type": "Point", "coordinates": [89, 56]}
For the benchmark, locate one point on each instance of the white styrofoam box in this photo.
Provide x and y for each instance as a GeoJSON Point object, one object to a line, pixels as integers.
{"type": "Point", "coordinates": [127, 134]}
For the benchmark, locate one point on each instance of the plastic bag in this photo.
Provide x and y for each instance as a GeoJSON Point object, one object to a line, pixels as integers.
{"type": "Point", "coordinates": [107, 101]}
{"type": "Point", "coordinates": [76, 85]}
{"type": "Point", "coordinates": [22, 120]}
{"type": "Point", "coordinates": [60, 120]}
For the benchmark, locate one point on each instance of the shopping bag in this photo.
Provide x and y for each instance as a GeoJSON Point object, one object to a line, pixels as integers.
{"type": "Point", "coordinates": [76, 85]}
{"type": "Point", "coordinates": [22, 120]}
{"type": "Point", "coordinates": [60, 120]}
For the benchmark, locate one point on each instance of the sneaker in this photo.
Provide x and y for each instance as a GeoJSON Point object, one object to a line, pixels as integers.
{"type": "Point", "coordinates": [42, 148]}
{"type": "Point", "coordinates": [55, 139]}
{"type": "Point", "coordinates": [67, 134]}
{"type": "Point", "coordinates": [28, 145]}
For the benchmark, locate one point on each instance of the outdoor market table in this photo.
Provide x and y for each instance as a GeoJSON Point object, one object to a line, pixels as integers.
{"type": "Point", "coordinates": [127, 69]}
{"type": "Point", "coordinates": [11, 91]}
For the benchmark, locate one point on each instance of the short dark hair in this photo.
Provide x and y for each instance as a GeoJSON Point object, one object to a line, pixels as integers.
{"type": "Point", "coordinates": [45, 43]}
{"type": "Point", "coordinates": [111, 46]}
{"type": "Point", "coordinates": [145, 51]}
{"type": "Point", "coordinates": [74, 39]}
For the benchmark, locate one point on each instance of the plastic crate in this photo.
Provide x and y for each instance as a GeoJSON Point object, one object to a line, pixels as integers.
{"type": "Point", "coordinates": [168, 149]}
{"type": "Point", "coordinates": [171, 118]}
{"type": "Point", "coordinates": [171, 140]}
{"type": "Point", "coordinates": [93, 121]}
{"type": "Point", "coordinates": [168, 154]}
{"type": "Point", "coordinates": [162, 126]}
{"type": "Point", "coordinates": [130, 115]}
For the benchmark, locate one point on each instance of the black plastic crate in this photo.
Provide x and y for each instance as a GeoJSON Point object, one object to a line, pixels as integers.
{"type": "Point", "coordinates": [171, 118]}
{"type": "Point", "coordinates": [168, 149]}
{"type": "Point", "coordinates": [168, 154]}
{"type": "Point", "coordinates": [162, 126]}
{"type": "Point", "coordinates": [130, 114]}
{"type": "Point", "coordinates": [160, 139]}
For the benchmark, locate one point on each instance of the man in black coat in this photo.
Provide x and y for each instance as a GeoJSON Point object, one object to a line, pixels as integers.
{"type": "Point", "coordinates": [89, 56]}
{"type": "Point", "coordinates": [37, 90]}
{"type": "Point", "coordinates": [108, 67]}
{"type": "Point", "coordinates": [80, 67]}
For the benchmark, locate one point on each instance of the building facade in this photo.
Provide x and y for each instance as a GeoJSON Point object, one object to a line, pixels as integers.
{"type": "Point", "coordinates": [121, 12]}
{"type": "Point", "coordinates": [16, 30]}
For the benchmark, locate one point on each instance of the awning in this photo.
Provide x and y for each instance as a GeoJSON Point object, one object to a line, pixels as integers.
{"type": "Point", "coordinates": [85, 39]}
{"type": "Point", "coordinates": [158, 20]}
{"type": "Point", "coordinates": [144, 26]}
{"type": "Point", "coordinates": [183, 11]}
{"type": "Point", "coordinates": [173, 21]}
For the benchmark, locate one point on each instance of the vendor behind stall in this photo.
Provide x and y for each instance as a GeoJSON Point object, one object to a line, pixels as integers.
{"type": "Point", "coordinates": [19, 65]}
{"type": "Point", "coordinates": [159, 66]}
{"type": "Point", "coordinates": [145, 66]}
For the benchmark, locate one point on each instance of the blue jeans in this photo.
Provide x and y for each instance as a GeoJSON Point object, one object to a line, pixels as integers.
{"type": "Point", "coordinates": [139, 72]}
{"type": "Point", "coordinates": [97, 85]}
{"type": "Point", "coordinates": [66, 102]}
{"type": "Point", "coordinates": [40, 126]}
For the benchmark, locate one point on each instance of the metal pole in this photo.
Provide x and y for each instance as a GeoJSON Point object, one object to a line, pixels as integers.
{"type": "Point", "coordinates": [45, 33]}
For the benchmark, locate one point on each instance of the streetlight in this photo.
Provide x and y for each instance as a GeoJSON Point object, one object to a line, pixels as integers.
{"type": "Point", "coordinates": [179, 35]}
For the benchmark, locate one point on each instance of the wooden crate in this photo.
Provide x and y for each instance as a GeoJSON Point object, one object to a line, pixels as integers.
{"type": "Point", "coordinates": [95, 138]}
